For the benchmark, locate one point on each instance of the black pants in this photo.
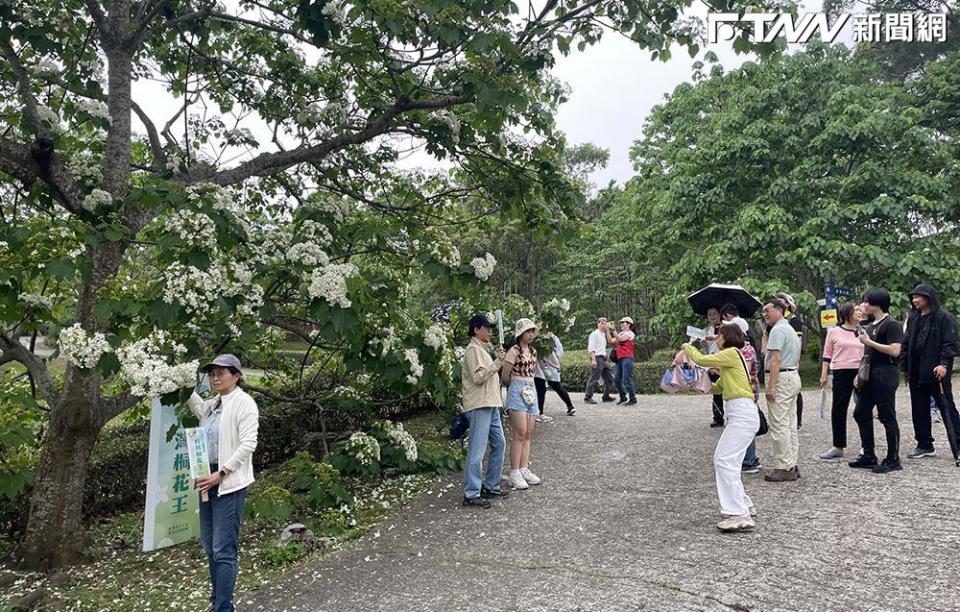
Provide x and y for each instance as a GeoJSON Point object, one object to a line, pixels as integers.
{"type": "Point", "coordinates": [799, 410]}
{"type": "Point", "coordinates": [718, 409]}
{"type": "Point", "coordinates": [880, 391]}
{"type": "Point", "coordinates": [541, 385]}
{"type": "Point", "coordinates": [842, 392]}
{"type": "Point", "coordinates": [601, 371]}
{"type": "Point", "coordinates": [920, 394]}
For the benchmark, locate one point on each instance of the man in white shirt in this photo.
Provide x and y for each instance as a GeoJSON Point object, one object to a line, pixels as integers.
{"type": "Point", "coordinates": [597, 347]}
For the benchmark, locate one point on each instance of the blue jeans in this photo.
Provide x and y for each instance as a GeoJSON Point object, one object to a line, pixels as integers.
{"type": "Point", "coordinates": [485, 430]}
{"type": "Point", "coordinates": [219, 533]}
{"type": "Point", "coordinates": [623, 375]}
{"type": "Point", "coordinates": [751, 457]}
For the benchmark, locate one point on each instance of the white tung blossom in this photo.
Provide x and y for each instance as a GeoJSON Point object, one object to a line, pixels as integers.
{"type": "Point", "coordinates": [36, 301]}
{"type": "Point", "coordinates": [197, 289]}
{"type": "Point", "coordinates": [401, 439]}
{"type": "Point", "coordinates": [387, 343]}
{"type": "Point", "coordinates": [84, 165]}
{"type": "Point", "coordinates": [194, 228]}
{"type": "Point", "coordinates": [364, 447]}
{"type": "Point", "coordinates": [96, 199]}
{"type": "Point", "coordinates": [435, 336]}
{"type": "Point", "coordinates": [483, 267]}
{"type": "Point", "coordinates": [315, 232]}
{"type": "Point", "coordinates": [416, 370]}
{"type": "Point", "coordinates": [95, 108]}
{"type": "Point", "coordinates": [48, 116]}
{"type": "Point", "coordinates": [330, 283]}
{"type": "Point", "coordinates": [145, 367]}
{"type": "Point", "coordinates": [81, 348]}
{"type": "Point", "coordinates": [308, 254]}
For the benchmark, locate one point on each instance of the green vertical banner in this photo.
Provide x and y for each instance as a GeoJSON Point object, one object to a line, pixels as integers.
{"type": "Point", "coordinates": [172, 512]}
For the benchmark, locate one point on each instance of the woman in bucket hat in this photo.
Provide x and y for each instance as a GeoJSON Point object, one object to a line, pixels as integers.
{"type": "Point", "coordinates": [519, 367]}
{"type": "Point", "coordinates": [231, 421]}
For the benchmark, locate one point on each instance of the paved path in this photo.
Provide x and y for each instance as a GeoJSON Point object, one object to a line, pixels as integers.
{"type": "Point", "coordinates": [625, 520]}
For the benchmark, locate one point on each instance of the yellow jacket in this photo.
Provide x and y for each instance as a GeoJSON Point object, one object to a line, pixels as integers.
{"type": "Point", "coordinates": [734, 382]}
{"type": "Point", "coordinates": [480, 379]}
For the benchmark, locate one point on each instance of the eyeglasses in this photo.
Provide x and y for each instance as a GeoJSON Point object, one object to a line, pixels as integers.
{"type": "Point", "coordinates": [218, 373]}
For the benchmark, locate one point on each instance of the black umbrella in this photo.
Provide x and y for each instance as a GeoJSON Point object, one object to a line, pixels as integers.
{"type": "Point", "coordinates": [716, 295]}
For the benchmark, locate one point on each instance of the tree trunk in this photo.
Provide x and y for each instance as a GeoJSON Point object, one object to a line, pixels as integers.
{"type": "Point", "coordinates": [55, 534]}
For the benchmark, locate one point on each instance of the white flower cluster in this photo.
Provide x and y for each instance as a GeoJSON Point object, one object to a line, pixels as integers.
{"type": "Point", "coordinates": [435, 336]}
{"type": "Point", "coordinates": [270, 246]}
{"type": "Point", "coordinates": [197, 289]}
{"type": "Point", "coordinates": [445, 253]}
{"type": "Point", "coordinates": [83, 349]}
{"type": "Point", "coordinates": [315, 232]}
{"type": "Point", "coordinates": [416, 370]}
{"type": "Point", "coordinates": [335, 10]}
{"type": "Point", "coordinates": [563, 305]}
{"type": "Point", "coordinates": [47, 67]}
{"type": "Point", "coordinates": [364, 447]}
{"type": "Point", "coordinates": [220, 198]}
{"type": "Point", "coordinates": [144, 367]}
{"type": "Point", "coordinates": [194, 228]}
{"type": "Point", "coordinates": [308, 254]}
{"type": "Point", "coordinates": [49, 117]}
{"type": "Point", "coordinates": [36, 301]}
{"type": "Point", "coordinates": [174, 160]}
{"type": "Point", "coordinates": [84, 165]}
{"type": "Point", "coordinates": [401, 439]}
{"type": "Point", "coordinates": [96, 199]}
{"type": "Point", "coordinates": [483, 266]}
{"type": "Point", "coordinates": [348, 393]}
{"type": "Point", "coordinates": [95, 108]}
{"type": "Point", "coordinates": [388, 342]}
{"type": "Point", "coordinates": [330, 283]}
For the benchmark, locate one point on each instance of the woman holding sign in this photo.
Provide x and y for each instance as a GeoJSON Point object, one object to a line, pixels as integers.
{"type": "Point", "coordinates": [230, 422]}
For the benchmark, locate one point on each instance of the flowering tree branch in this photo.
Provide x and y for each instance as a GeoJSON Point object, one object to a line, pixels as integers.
{"type": "Point", "coordinates": [23, 162]}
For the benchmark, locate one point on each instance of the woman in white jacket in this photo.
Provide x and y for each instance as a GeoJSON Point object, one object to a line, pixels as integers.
{"type": "Point", "coordinates": [230, 422]}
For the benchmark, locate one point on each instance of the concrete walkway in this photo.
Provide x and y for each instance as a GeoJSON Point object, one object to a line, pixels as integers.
{"type": "Point", "coordinates": [625, 520]}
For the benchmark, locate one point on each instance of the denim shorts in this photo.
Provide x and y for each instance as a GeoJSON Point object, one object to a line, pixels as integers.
{"type": "Point", "coordinates": [515, 399]}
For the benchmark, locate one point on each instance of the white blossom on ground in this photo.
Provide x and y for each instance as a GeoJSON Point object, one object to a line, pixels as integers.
{"type": "Point", "coordinates": [483, 266]}
{"type": "Point", "coordinates": [145, 366]}
{"type": "Point", "coordinates": [82, 348]}
{"type": "Point", "coordinates": [364, 447]}
{"type": "Point", "coordinates": [96, 199]}
{"type": "Point", "coordinates": [330, 284]}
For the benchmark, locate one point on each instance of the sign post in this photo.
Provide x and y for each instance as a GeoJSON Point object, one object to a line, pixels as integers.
{"type": "Point", "coordinates": [172, 513]}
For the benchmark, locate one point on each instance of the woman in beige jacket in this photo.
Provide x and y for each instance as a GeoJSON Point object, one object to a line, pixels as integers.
{"type": "Point", "coordinates": [230, 422]}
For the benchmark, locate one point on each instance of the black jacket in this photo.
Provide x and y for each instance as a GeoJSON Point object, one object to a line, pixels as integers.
{"type": "Point", "coordinates": [941, 345]}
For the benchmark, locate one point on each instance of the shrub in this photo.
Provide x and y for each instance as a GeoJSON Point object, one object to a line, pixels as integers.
{"type": "Point", "coordinates": [646, 377]}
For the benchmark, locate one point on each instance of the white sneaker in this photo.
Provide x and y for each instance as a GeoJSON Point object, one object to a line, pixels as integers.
{"type": "Point", "coordinates": [518, 482]}
{"type": "Point", "coordinates": [530, 477]}
{"type": "Point", "coordinates": [736, 523]}
{"type": "Point", "coordinates": [753, 512]}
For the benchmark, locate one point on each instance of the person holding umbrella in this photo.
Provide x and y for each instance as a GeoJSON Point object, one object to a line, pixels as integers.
{"type": "Point", "coordinates": [707, 302]}
{"type": "Point", "coordinates": [927, 351]}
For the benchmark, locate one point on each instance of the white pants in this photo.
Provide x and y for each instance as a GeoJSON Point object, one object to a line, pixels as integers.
{"type": "Point", "coordinates": [743, 421]}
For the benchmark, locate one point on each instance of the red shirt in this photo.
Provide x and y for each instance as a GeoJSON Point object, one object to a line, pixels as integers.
{"type": "Point", "coordinates": [625, 349]}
